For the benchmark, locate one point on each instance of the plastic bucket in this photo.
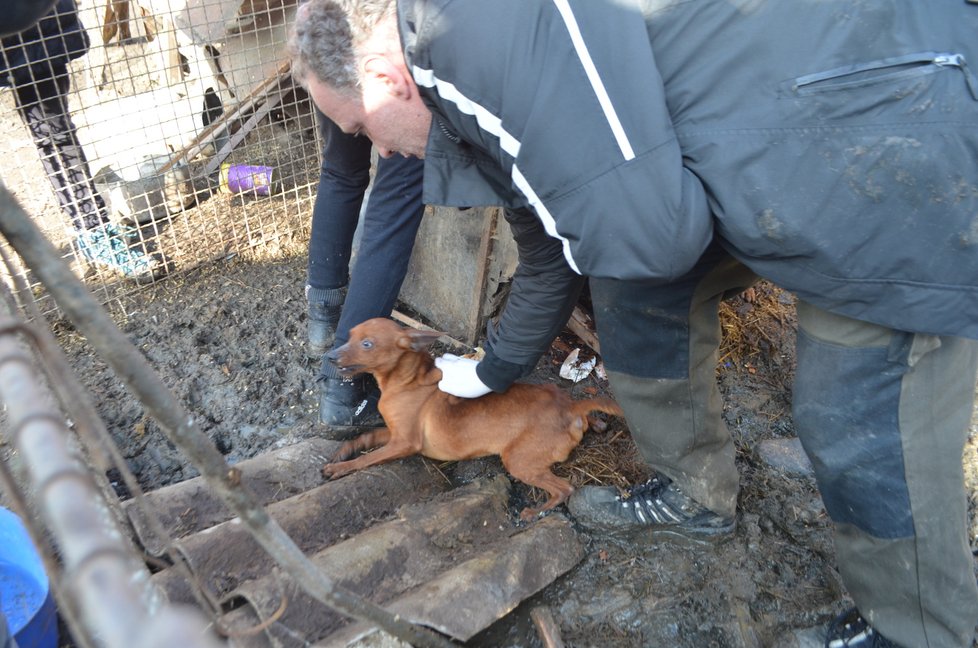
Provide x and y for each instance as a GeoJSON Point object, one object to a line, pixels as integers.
{"type": "Point", "coordinates": [246, 178]}
{"type": "Point", "coordinates": [25, 597]}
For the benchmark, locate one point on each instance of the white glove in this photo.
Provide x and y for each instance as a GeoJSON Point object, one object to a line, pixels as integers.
{"type": "Point", "coordinates": [458, 377]}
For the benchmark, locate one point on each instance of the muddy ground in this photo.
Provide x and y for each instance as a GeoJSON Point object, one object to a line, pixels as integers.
{"type": "Point", "coordinates": [228, 340]}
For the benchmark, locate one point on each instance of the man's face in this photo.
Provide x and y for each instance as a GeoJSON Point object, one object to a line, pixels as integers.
{"type": "Point", "coordinates": [393, 123]}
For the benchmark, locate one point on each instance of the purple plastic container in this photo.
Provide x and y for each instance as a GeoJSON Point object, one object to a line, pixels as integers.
{"type": "Point", "coordinates": [245, 178]}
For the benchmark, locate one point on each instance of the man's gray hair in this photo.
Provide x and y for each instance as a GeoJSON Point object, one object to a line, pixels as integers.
{"type": "Point", "coordinates": [323, 40]}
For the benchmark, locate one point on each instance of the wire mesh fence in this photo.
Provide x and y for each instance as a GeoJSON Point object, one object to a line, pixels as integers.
{"type": "Point", "coordinates": [148, 137]}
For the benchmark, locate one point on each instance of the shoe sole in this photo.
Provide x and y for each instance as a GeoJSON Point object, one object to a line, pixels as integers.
{"type": "Point", "coordinates": [692, 537]}
{"type": "Point", "coordinates": [678, 535]}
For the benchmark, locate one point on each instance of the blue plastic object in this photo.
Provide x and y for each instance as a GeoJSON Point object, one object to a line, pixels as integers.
{"type": "Point", "coordinates": [25, 597]}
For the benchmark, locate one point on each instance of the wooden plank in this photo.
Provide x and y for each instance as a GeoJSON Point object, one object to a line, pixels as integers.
{"type": "Point", "coordinates": [482, 260]}
{"type": "Point", "coordinates": [271, 101]}
{"type": "Point", "coordinates": [415, 324]}
{"type": "Point", "coordinates": [459, 268]}
{"type": "Point", "coordinates": [382, 562]}
{"type": "Point", "coordinates": [582, 325]}
{"type": "Point", "coordinates": [464, 600]}
{"type": "Point", "coordinates": [223, 122]}
{"type": "Point", "coordinates": [549, 631]}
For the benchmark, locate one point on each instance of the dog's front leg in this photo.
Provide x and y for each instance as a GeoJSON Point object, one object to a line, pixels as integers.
{"type": "Point", "coordinates": [366, 441]}
{"type": "Point", "coordinates": [394, 449]}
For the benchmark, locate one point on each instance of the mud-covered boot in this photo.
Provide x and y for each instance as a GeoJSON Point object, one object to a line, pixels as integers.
{"type": "Point", "coordinates": [324, 315]}
{"type": "Point", "coordinates": [348, 405]}
{"type": "Point", "coordinates": [656, 507]}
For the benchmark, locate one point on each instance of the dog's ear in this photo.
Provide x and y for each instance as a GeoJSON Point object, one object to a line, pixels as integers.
{"type": "Point", "coordinates": [420, 340]}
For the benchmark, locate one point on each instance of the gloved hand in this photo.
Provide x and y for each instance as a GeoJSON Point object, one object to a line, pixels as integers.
{"type": "Point", "coordinates": [458, 377]}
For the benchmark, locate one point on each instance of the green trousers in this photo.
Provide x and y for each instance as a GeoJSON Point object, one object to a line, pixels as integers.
{"type": "Point", "coordinates": [882, 414]}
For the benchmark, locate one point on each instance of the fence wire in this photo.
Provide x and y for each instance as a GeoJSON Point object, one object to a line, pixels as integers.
{"type": "Point", "coordinates": [196, 141]}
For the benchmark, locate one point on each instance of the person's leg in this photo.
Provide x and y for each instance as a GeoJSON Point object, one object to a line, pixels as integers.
{"type": "Point", "coordinates": [390, 224]}
{"type": "Point", "coordinates": [43, 106]}
{"type": "Point", "coordinates": [343, 179]}
{"type": "Point", "coordinates": [659, 343]}
{"type": "Point", "coordinates": [884, 417]}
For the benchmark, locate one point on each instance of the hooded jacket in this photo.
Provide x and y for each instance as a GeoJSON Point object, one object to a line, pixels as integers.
{"type": "Point", "coordinates": [830, 146]}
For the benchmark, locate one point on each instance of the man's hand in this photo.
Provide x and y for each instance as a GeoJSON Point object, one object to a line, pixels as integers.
{"type": "Point", "coordinates": [458, 377]}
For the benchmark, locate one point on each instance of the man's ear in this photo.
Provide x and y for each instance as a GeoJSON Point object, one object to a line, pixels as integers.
{"type": "Point", "coordinates": [380, 69]}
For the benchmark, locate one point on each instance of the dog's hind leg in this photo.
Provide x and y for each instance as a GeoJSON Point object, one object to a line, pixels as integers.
{"type": "Point", "coordinates": [558, 489]}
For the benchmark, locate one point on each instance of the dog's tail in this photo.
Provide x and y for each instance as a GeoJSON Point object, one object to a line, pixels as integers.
{"type": "Point", "coordinates": [599, 404]}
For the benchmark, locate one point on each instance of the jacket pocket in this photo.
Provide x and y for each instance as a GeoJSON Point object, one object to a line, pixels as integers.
{"type": "Point", "coordinates": [907, 67]}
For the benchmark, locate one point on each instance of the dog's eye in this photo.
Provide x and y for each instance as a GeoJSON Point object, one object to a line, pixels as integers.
{"type": "Point", "coordinates": [366, 344]}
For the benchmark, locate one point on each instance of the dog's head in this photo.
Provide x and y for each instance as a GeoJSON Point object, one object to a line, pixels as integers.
{"type": "Point", "coordinates": [378, 345]}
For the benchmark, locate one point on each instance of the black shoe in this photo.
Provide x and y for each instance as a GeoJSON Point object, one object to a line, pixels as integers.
{"type": "Point", "coordinates": [347, 406]}
{"type": "Point", "coordinates": [321, 329]}
{"type": "Point", "coordinates": [655, 506]}
{"type": "Point", "coordinates": [851, 630]}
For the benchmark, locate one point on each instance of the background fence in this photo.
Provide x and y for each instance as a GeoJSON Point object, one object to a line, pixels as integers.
{"type": "Point", "coordinates": [169, 94]}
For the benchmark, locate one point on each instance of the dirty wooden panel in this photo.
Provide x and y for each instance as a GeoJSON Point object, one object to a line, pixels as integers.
{"type": "Point", "coordinates": [467, 599]}
{"type": "Point", "coordinates": [190, 506]}
{"type": "Point", "coordinates": [461, 261]}
{"type": "Point", "coordinates": [226, 555]}
{"type": "Point", "coordinates": [380, 563]}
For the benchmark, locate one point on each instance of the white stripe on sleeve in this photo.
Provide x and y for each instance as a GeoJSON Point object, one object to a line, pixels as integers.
{"type": "Point", "coordinates": [493, 125]}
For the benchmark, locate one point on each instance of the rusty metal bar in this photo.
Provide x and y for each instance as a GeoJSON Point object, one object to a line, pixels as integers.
{"type": "Point", "coordinates": [95, 439]}
{"type": "Point", "coordinates": [66, 605]}
{"type": "Point", "coordinates": [87, 424]}
{"type": "Point", "coordinates": [181, 429]}
{"type": "Point", "coordinates": [110, 586]}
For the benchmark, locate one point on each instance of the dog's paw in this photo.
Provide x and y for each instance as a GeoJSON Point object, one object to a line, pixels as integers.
{"type": "Point", "coordinates": [527, 515]}
{"type": "Point", "coordinates": [329, 471]}
{"type": "Point", "coordinates": [597, 424]}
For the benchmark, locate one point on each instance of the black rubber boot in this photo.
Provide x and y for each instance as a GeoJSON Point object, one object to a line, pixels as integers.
{"type": "Point", "coordinates": [324, 315]}
{"type": "Point", "coordinates": [347, 406]}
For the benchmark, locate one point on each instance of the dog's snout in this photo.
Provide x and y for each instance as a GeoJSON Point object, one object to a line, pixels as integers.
{"type": "Point", "coordinates": [334, 355]}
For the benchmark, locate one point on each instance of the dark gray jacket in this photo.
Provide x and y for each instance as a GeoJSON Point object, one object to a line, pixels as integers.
{"type": "Point", "coordinates": [21, 14]}
{"type": "Point", "coordinates": [43, 49]}
{"type": "Point", "coordinates": [832, 145]}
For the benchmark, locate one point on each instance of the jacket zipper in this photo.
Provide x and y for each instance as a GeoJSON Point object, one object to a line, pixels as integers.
{"type": "Point", "coordinates": [919, 59]}
{"type": "Point", "coordinates": [957, 60]}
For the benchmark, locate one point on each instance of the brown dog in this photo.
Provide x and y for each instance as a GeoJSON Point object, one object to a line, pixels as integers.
{"type": "Point", "coordinates": [530, 427]}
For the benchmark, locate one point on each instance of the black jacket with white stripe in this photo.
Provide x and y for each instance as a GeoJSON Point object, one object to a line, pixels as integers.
{"type": "Point", "coordinates": [831, 146]}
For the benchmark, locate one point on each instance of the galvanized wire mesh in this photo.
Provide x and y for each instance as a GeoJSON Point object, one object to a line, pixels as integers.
{"type": "Point", "coordinates": [178, 105]}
